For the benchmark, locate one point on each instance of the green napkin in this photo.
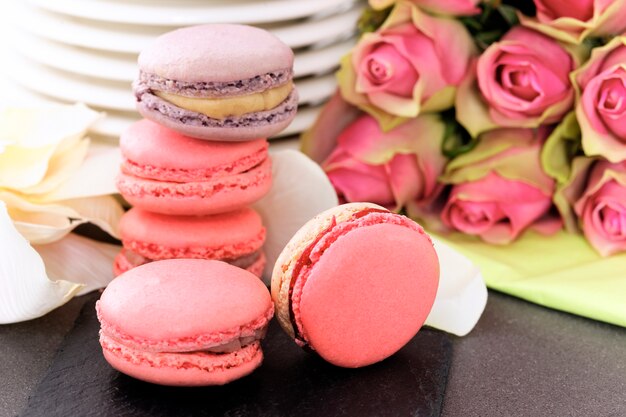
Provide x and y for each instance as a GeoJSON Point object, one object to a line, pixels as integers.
{"type": "Point", "coordinates": [561, 272]}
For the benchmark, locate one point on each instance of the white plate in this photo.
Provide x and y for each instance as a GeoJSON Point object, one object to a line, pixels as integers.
{"type": "Point", "coordinates": [118, 95]}
{"type": "Point", "coordinates": [122, 67]}
{"type": "Point", "coordinates": [320, 61]}
{"type": "Point", "coordinates": [303, 120]}
{"type": "Point", "coordinates": [182, 13]}
{"type": "Point", "coordinates": [132, 39]}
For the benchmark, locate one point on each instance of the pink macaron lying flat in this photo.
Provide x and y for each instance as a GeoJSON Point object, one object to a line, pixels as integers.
{"type": "Point", "coordinates": [218, 82]}
{"type": "Point", "coordinates": [235, 237]}
{"type": "Point", "coordinates": [186, 322]}
{"type": "Point", "coordinates": [355, 284]}
{"type": "Point", "coordinates": [166, 172]}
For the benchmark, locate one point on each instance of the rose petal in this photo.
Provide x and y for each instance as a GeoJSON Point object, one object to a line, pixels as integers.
{"type": "Point", "coordinates": [319, 141]}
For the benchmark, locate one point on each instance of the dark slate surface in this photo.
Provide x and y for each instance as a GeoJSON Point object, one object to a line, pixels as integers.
{"type": "Point", "coordinates": [526, 360]}
{"type": "Point", "coordinates": [520, 360]}
{"type": "Point", "coordinates": [290, 382]}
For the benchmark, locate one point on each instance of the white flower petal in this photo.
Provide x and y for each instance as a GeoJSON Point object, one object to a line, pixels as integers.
{"type": "Point", "coordinates": [60, 167]}
{"type": "Point", "coordinates": [104, 211]}
{"type": "Point", "coordinates": [25, 290]}
{"type": "Point", "coordinates": [45, 223]}
{"type": "Point", "coordinates": [300, 190]}
{"type": "Point", "coordinates": [30, 139]}
{"type": "Point", "coordinates": [99, 167]}
{"type": "Point", "coordinates": [461, 296]}
{"type": "Point", "coordinates": [34, 127]}
{"type": "Point", "coordinates": [81, 260]}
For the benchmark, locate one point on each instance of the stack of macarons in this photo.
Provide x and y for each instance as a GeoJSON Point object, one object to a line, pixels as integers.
{"type": "Point", "coordinates": [210, 95]}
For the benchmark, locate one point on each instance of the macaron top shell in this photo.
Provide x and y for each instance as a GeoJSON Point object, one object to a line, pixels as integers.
{"type": "Point", "coordinates": [153, 151]}
{"type": "Point", "coordinates": [184, 305]}
{"type": "Point", "coordinates": [215, 52]}
{"type": "Point", "coordinates": [356, 284]}
{"type": "Point", "coordinates": [235, 233]}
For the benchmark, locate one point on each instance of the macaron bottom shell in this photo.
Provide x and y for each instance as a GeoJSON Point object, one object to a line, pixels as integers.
{"type": "Point", "coordinates": [182, 369]}
{"type": "Point", "coordinates": [197, 198]}
{"type": "Point", "coordinates": [127, 260]}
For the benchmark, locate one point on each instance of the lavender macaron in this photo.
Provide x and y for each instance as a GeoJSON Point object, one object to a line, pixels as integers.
{"type": "Point", "coordinates": [218, 82]}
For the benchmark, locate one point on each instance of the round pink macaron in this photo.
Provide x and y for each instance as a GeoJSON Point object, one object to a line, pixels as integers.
{"type": "Point", "coordinates": [235, 237]}
{"type": "Point", "coordinates": [355, 284]}
{"type": "Point", "coordinates": [218, 63]}
{"type": "Point", "coordinates": [185, 322]}
{"type": "Point", "coordinates": [165, 172]}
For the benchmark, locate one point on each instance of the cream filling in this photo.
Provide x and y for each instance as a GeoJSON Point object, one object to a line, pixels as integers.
{"type": "Point", "coordinates": [220, 108]}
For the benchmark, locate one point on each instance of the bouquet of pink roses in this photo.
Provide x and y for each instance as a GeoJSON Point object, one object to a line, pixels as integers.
{"type": "Point", "coordinates": [487, 118]}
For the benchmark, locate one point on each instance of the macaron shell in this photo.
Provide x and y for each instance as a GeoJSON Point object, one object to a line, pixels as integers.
{"type": "Point", "coordinates": [216, 52]}
{"type": "Point", "coordinates": [222, 236]}
{"type": "Point", "coordinates": [154, 151]}
{"type": "Point", "coordinates": [179, 304]}
{"type": "Point", "coordinates": [176, 372]}
{"type": "Point", "coordinates": [288, 258]}
{"type": "Point", "coordinates": [121, 264]}
{"type": "Point", "coordinates": [369, 294]}
{"type": "Point", "coordinates": [197, 198]}
{"type": "Point", "coordinates": [247, 127]}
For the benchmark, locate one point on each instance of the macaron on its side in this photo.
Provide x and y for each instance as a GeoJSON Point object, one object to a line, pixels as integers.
{"type": "Point", "coordinates": [218, 82]}
{"type": "Point", "coordinates": [184, 322]}
{"type": "Point", "coordinates": [355, 284]}
{"type": "Point", "coordinates": [234, 237]}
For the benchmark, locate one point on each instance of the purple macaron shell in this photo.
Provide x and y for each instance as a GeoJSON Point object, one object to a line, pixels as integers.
{"type": "Point", "coordinates": [235, 128]}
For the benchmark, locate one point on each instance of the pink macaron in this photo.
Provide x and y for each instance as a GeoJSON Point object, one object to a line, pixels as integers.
{"type": "Point", "coordinates": [218, 82]}
{"type": "Point", "coordinates": [165, 172]}
{"type": "Point", "coordinates": [186, 322]}
{"type": "Point", "coordinates": [355, 283]}
{"type": "Point", "coordinates": [234, 237]}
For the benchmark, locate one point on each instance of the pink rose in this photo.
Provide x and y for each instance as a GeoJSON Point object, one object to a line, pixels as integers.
{"type": "Point", "coordinates": [522, 80]}
{"type": "Point", "coordinates": [449, 7]}
{"type": "Point", "coordinates": [573, 21]}
{"type": "Point", "coordinates": [412, 64]}
{"type": "Point", "coordinates": [597, 194]}
{"type": "Point", "coordinates": [320, 140]}
{"type": "Point", "coordinates": [499, 188]}
{"type": "Point", "coordinates": [394, 169]}
{"type": "Point", "coordinates": [601, 110]}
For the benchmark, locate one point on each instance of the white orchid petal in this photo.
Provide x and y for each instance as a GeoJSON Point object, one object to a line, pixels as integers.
{"type": "Point", "coordinates": [99, 167]}
{"type": "Point", "coordinates": [45, 223]}
{"type": "Point", "coordinates": [104, 211]}
{"type": "Point", "coordinates": [47, 125]}
{"type": "Point", "coordinates": [41, 234]}
{"type": "Point", "coordinates": [60, 168]}
{"type": "Point", "coordinates": [23, 167]}
{"type": "Point", "coordinates": [30, 139]}
{"type": "Point", "coordinates": [461, 296]}
{"type": "Point", "coordinates": [300, 190]}
{"type": "Point", "coordinates": [25, 290]}
{"type": "Point", "coordinates": [81, 260]}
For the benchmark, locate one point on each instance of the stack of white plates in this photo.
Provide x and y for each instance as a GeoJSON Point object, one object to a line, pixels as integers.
{"type": "Point", "coordinates": [86, 50]}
